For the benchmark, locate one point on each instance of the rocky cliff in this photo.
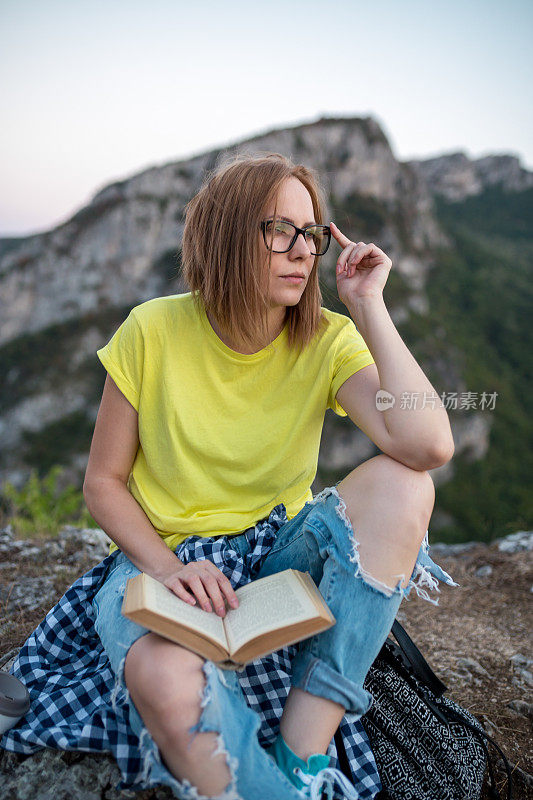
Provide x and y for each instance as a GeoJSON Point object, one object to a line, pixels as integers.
{"type": "Point", "coordinates": [456, 177]}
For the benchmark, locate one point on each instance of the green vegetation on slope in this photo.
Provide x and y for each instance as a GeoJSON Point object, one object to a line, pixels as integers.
{"type": "Point", "coordinates": [482, 293]}
{"type": "Point", "coordinates": [34, 360]}
{"type": "Point", "coordinates": [41, 507]}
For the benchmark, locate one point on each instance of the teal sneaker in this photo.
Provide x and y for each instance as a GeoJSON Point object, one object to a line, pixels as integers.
{"type": "Point", "coordinates": [288, 761]}
{"type": "Point", "coordinates": [311, 777]}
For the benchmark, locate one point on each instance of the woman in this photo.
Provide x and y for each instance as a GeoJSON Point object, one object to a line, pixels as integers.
{"type": "Point", "coordinates": [209, 426]}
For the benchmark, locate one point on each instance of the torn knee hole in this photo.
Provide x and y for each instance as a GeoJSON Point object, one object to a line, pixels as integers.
{"type": "Point", "coordinates": [420, 578]}
{"type": "Point", "coordinates": [366, 577]}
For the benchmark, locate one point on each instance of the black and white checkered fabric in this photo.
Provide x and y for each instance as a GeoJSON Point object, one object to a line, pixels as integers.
{"type": "Point", "coordinates": [70, 681]}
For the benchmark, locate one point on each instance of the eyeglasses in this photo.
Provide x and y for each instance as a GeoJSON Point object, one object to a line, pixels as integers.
{"type": "Point", "coordinates": [279, 236]}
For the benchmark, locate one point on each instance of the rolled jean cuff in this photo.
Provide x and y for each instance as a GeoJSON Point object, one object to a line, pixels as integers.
{"type": "Point", "coordinates": [313, 675]}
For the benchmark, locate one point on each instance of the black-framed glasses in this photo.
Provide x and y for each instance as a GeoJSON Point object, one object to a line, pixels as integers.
{"type": "Point", "coordinates": [279, 236]}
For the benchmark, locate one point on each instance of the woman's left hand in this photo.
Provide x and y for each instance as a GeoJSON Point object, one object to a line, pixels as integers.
{"type": "Point", "coordinates": [362, 269]}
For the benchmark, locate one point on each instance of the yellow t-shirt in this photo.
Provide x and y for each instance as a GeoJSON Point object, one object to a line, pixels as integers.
{"type": "Point", "coordinates": [224, 436]}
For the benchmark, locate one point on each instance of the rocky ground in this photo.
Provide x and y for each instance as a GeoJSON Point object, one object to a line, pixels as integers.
{"type": "Point", "coordinates": [478, 641]}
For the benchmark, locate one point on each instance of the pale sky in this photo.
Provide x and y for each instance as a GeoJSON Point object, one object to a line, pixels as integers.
{"type": "Point", "coordinates": [93, 92]}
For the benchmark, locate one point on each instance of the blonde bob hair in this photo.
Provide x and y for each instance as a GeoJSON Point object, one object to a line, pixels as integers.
{"type": "Point", "coordinates": [224, 260]}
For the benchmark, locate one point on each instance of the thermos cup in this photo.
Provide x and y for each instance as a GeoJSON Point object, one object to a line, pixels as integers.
{"type": "Point", "coordinates": [14, 701]}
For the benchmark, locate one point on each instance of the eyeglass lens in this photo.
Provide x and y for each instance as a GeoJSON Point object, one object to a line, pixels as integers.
{"type": "Point", "coordinates": [279, 236]}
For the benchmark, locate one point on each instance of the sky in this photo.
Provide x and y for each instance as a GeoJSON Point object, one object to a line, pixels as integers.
{"type": "Point", "coordinates": [94, 92]}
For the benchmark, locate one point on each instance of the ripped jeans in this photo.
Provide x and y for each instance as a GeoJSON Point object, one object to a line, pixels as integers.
{"type": "Point", "coordinates": [333, 664]}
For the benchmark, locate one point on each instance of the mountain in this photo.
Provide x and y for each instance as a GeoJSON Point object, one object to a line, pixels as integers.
{"type": "Point", "coordinates": [457, 230]}
{"type": "Point", "coordinates": [456, 177]}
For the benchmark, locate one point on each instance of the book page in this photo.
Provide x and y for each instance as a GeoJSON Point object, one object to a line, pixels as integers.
{"type": "Point", "coordinates": [165, 602]}
{"type": "Point", "coordinates": [266, 605]}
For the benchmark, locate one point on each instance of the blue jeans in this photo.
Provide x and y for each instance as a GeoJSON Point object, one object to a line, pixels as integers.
{"type": "Point", "coordinates": [333, 664]}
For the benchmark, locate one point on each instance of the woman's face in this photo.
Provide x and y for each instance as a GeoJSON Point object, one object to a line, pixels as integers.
{"type": "Point", "coordinates": [289, 272]}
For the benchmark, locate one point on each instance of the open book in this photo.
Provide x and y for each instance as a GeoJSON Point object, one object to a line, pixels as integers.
{"type": "Point", "coordinates": [275, 611]}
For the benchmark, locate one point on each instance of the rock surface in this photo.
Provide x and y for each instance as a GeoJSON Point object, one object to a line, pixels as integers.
{"type": "Point", "coordinates": [477, 640]}
{"type": "Point", "coordinates": [455, 176]}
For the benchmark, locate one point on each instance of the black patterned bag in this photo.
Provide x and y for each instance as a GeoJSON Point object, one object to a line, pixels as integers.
{"type": "Point", "coordinates": [426, 746]}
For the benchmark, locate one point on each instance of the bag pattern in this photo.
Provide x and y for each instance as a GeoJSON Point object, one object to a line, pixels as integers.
{"type": "Point", "coordinates": [421, 757]}
{"type": "Point", "coordinates": [426, 746]}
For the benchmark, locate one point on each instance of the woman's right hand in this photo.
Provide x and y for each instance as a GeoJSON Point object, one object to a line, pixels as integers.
{"type": "Point", "coordinates": [201, 580]}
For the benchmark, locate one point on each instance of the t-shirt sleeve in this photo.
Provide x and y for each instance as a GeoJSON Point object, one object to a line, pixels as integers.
{"type": "Point", "coordinates": [351, 355]}
{"type": "Point", "coordinates": [123, 358]}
